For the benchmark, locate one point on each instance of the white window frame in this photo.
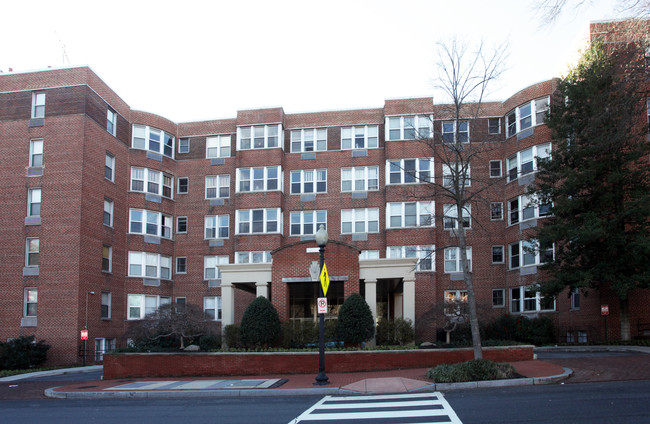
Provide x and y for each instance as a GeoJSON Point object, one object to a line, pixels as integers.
{"type": "Point", "coordinates": [109, 167]}
{"type": "Point", "coordinates": [211, 264]}
{"type": "Point", "coordinates": [36, 153]}
{"type": "Point", "coordinates": [360, 137]}
{"type": "Point", "coordinates": [144, 137]}
{"type": "Point", "coordinates": [452, 257]}
{"type": "Point", "coordinates": [103, 345]}
{"type": "Point", "coordinates": [158, 221]}
{"type": "Point", "coordinates": [401, 169]}
{"type": "Point", "coordinates": [450, 217]}
{"type": "Point", "coordinates": [108, 212]}
{"type": "Point", "coordinates": [183, 145]}
{"type": "Point", "coordinates": [359, 178]}
{"type": "Point", "coordinates": [140, 302]}
{"type": "Point", "coordinates": [216, 227]}
{"type": "Point", "coordinates": [309, 140]}
{"type": "Point", "coordinates": [217, 146]}
{"type": "Point", "coordinates": [34, 201]}
{"type": "Point", "coordinates": [490, 132]}
{"type": "Point", "coordinates": [111, 122]}
{"type": "Point", "coordinates": [304, 220]}
{"type": "Point", "coordinates": [107, 257]}
{"type": "Point", "coordinates": [32, 250]}
{"type": "Point", "coordinates": [408, 127]}
{"type": "Point", "coordinates": [153, 181]}
{"type": "Point", "coordinates": [212, 303]}
{"type": "Point", "coordinates": [492, 174]}
{"type": "Point", "coordinates": [456, 169]}
{"type": "Point", "coordinates": [525, 299]}
{"type": "Point", "coordinates": [528, 253]}
{"type": "Point", "coordinates": [178, 185]}
{"type": "Point", "coordinates": [527, 209]}
{"type": "Point", "coordinates": [249, 137]}
{"type": "Point", "coordinates": [424, 253]}
{"type": "Point", "coordinates": [448, 131]}
{"type": "Point", "coordinates": [503, 254]}
{"type": "Point", "coordinates": [527, 115]}
{"type": "Point", "coordinates": [38, 104]}
{"type": "Point", "coordinates": [366, 217]}
{"type": "Point", "coordinates": [181, 260]}
{"type": "Point", "coordinates": [496, 211]}
{"type": "Point", "coordinates": [161, 265]}
{"type": "Point", "coordinates": [178, 221]}
{"type": "Point", "coordinates": [302, 180]}
{"type": "Point", "coordinates": [219, 184]}
{"type": "Point", "coordinates": [259, 179]}
{"type": "Point", "coordinates": [502, 304]}
{"type": "Point", "coordinates": [247, 222]}
{"type": "Point", "coordinates": [515, 163]}
{"type": "Point", "coordinates": [106, 299]}
{"type": "Point", "coordinates": [253, 257]}
{"type": "Point", "coordinates": [424, 214]}
{"type": "Point", "coordinates": [30, 297]}
{"type": "Point", "coordinates": [369, 255]}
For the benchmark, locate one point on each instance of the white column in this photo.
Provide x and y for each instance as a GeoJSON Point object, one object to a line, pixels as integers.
{"type": "Point", "coordinates": [262, 289]}
{"type": "Point", "coordinates": [409, 300]}
{"type": "Point", "coordinates": [371, 297]}
{"type": "Point", "coordinates": [227, 305]}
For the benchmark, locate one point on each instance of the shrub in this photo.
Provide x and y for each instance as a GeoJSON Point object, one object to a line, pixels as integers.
{"type": "Point", "coordinates": [521, 329]}
{"type": "Point", "coordinates": [355, 323]}
{"type": "Point", "coordinates": [231, 336]}
{"type": "Point", "coordinates": [23, 353]}
{"type": "Point", "coordinates": [297, 334]}
{"type": "Point", "coordinates": [260, 325]}
{"type": "Point", "coordinates": [210, 342]}
{"type": "Point", "coordinates": [474, 370]}
{"type": "Point", "coordinates": [392, 332]}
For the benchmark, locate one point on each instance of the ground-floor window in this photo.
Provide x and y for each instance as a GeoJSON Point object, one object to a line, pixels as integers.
{"type": "Point", "coordinates": [302, 300]}
{"type": "Point", "coordinates": [102, 346]}
{"type": "Point", "coordinates": [527, 299]}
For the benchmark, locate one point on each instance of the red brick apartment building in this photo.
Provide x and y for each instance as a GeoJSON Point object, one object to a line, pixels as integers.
{"type": "Point", "coordinates": [108, 213]}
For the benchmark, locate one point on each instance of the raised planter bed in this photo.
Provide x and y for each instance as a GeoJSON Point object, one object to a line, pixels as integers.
{"type": "Point", "coordinates": [213, 364]}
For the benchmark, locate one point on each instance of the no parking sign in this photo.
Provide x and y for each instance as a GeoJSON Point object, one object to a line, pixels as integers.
{"type": "Point", "coordinates": [322, 305]}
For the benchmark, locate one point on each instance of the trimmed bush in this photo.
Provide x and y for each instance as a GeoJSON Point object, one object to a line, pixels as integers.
{"type": "Point", "coordinates": [395, 332]}
{"type": "Point", "coordinates": [474, 370]}
{"type": "Point", "coordinates": [23, 353]}
{"type": "Point", "coordinates": [260, 325]}
{"type": "Point", "coordinates": [519, 328]}
{"type": "Point", "coordinates": [355, 323]}
{"type": "Point", "coordinates": [211, 342]}
{"type": "Point", "coordinates": [231, 336]}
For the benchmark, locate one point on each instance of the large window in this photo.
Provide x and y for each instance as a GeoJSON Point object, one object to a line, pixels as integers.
{"type": "Point", "coordinates": [255, 257]}
{"type": "Point", "coordinates": [30, 301]}
{"type": "Point", "coordinates": [409, 171]}
{"type": "Point", "coordinates": [211, 266]}
{"type": "Point", "coordinates": [145, 180]}
{"type": "Point", "coordinates": [217, 186]}
{"type": "Point", "coordinates": [108, 212]}
{"type": "Point", "coordinates": [528, 299]}
{"type": "Point", "coordinates": [309, 140]}
{"type": "Point", "coordinates": [410, 214]}
{"type": "Point", "coordinates": [408, 127]}
{"type": "Point", "coordinates": [150, 265]}
{"type": "Point", "coordinates": [365, 137]}
{"type": "Point", "coordinates": [456, 172]}
{"type": "Point", "coordinates": [212, 307]}
{"type": "Point", "coordinates": [365, 220]}
{"type": "Point", "coordinates": [141, 305]}
{"type": "Point", "coordinates": [259, 179]}
{"type": "Point", "coordinates": [36, 153]}
{"type": "Point", "coordinates": [362, 178]}
{"type": "Point", "coordinates": [151, 223]}
{"type": "Point", "coordinates": [153, 140]}
{"type": "Point", "coordinates": [34, 202]}
{"type": "Point", "coordinates": [259, 221]}
{"type": "Point", "coordinates": [32, 256]}
{"type": "Point", "coordinates": [452, 259]}
{"type": "Point", "coordinates": [306, 223]}
{"type": "Point", "coordinates": [425, 255]}
{"type": "Point", "coordinates": [525, 161]}
{"type": "Point", "coordinates": [38, 105]}
{"type": "Point", "coordinates": [525, 207]}
{"type": "Point", "coordinates": [527, 115]}
{"type": "Point", "coordinates": [309, 181]}
{"type": "Point", "coordinates": [450, 213]}
{"type": "Point", "coordinates": [259, 137]}
{"type": "Point", "coordinates": [217, 147]}
{"type": "Point", "coordinates": [217, 226]}
{"type": "Point", "coordinates": [449, 134]}
{"type": "Point", "coordinates": [528, 253]}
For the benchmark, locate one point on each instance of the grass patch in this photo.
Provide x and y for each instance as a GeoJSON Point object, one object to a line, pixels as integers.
{"type": "Point", "coordinates": [9, 373]}
{"type": "Point", "coordinates": [474, 370]}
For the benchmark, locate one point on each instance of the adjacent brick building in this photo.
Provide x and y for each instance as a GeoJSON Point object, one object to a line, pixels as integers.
{"type": "Point", "coordinates": [108, 213]}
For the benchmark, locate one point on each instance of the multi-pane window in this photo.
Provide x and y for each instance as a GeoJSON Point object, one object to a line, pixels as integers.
{"type": "Point", "coordinates": [495, 168]}
{"type": "Point", "coordinates": [212, 307]}
{"type": "Point", "coordinates": [450, 217]}
{"type": "Point", "coordinates": [181, 224]}
{"type": "Point", "coordinates": [217, 147]}
{"type": "Point", "coordinates": [528, 253]}
{"type": "Point", "coordinates": [183, 185]}
{"type": "Point", "coordinates": [496, 211]}
{"type": "Point", "coordinates": [456, 172]}
{"type": "Point", "coordinates": [456, 303]}
{"type": "Point", "coordinates": [526, 207]}
{"type": "Point", "coordinates": [153, 140]}
{"type": "Point", "coordinates": [147, 180]}
{"type": "Point", "coordinates": [450, 135]}
{"type": "Point", "coordinates": [511, 123]}
{"type": "Point", "coordinates": [365, 137]}
{"type": "Point", "coordinates": [309, 140]}
{"type": "Point", "coordinates": [494, 125]}
{"type": "Point", "coordinates": [36, 153]}
{"type": "Point", "coordinates": [409, 171]}
{"type": "Point", "coordinates": [410, 214]}
{"type": "Point", "coordinates": [108, 212]}
{"type": "Point", "coordinates": [151, 223]}
{"type": "Point", "coordinates": [425, 255]}
{"type": "Point", "coordinates": [33, 252]}
{"type": "Point", "coordinates": [363, 220]}
{"type": "Point", "coordinates": [38, 105]}
{"type": "Point", "coordinates": [453, 261]}
{"type": "Point", "coordinates": [102, 346]}
{"type": "Point", "coordinates": [528, 299]}
{"type": "Point", "coordinates": [256, 257]}
{"type": "Point", "coordinates": [259, 179]}
{"type": "Point", "coordinates": [361, 178]}
{"type": "Point", "coordinates": [217, 226]}
{"type": "Point", "coordinates": [184, 145]}
{"type": "Point", "coordinates": [106, 305]}
{"type": "Point", "coordinates": [498, 298]}
{"type": "Point", "coordinates": [150, 265]}
{"type": "Point", "coordinates": [309, 181]}
{"type": "Point", "coordinates": [109, 167]}
{"type": "Point", "coordinates": [181, 265]}
{"type": "Point", "coordinates": [34, 202]}
{"type": "Point", "coordinates": [525, 161]}
{"type": "Point", "coordinates": [111, 121]}
{"type": "Point", "coordinates": [369, 254]}
{"type": "Point", "coordinates": [211, 266]}
{"type": "Point", "coordinates": [141, 305]}
{"type": "Point", "coordinates": [217, 186]}
{"type": "Point", "coordinates": [498, 256]}
{"type": "Point", "coordinates": [259, 137]}
{"type": "Point", "coordinates": [408, 127]}
{"type": "Point", "coordinates": [527, 115]}
{"type": "Point", "coordinates": [259, 221]}
{"type": "Point", "coordinates": [30, 302]}
{"type": "Point", "coordinates": [306, 223]}
{"type": "Point", "coordinates": [107, 258]}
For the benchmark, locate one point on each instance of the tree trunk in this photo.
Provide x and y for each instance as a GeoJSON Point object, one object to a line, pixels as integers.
{"type": "Point", "coordinates": [624, 317]}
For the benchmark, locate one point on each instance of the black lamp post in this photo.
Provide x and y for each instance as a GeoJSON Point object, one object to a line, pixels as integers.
{"type": "Point", "coordinates": [321, 378]}
{"type": "Point", "coordinates": [86, 326]}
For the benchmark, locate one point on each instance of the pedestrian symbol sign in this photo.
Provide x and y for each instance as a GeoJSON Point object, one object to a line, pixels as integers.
{"type": "Point", "coordinates": [324, 279]}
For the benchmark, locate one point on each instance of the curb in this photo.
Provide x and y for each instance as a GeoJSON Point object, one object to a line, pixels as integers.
{"type": "Point", "coordinates": [48, 373]}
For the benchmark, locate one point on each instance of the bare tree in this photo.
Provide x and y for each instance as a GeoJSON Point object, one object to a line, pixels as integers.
{"type": "Point", "coordinates": [552, 9]}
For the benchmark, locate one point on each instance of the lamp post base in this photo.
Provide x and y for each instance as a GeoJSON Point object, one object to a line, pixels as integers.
{"type": "Point", "coordinates": [321, 379]}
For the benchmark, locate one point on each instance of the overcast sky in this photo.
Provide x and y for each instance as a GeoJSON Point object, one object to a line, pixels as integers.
{"type": "Point", "coordinates": [195, 60]}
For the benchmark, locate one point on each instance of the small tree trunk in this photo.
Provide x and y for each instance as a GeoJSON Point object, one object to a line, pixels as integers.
{"type": "Point", "coordinates": [469, 284]}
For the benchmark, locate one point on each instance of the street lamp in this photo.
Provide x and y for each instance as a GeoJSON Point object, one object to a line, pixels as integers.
{"type": "Point", "coordinates": [321, 378]}
{"type": "Point", "coordinates": [86, 325]}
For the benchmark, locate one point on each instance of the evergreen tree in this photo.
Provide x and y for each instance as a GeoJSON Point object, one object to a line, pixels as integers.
{"type": "Point", "coordinates": [260, 325]}
{"type": "Point", "coordinates": [355, 323]}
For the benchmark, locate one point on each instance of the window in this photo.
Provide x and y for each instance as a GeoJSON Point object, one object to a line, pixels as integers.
{"type": "Point", "coordinates": [309, 140]}
{"type": "Point", "coordinates": [212, 307]}
{"type": "Point", "coordinates": [498, 298]}
{"type": "Point", "coordinates": [36, 153]}
{"type": "Point", "coordinates": [365, 137]}
{"type": "Point", "coordinates": [527, 115]}
{"type": "Point", "coordinates": [494, 125]}
{"type": "Point", "coordinates": [31, 301]}
{"type": "Point", "coordinates": [529, 299]}
{"type": "Point", "coordinates": [150, 265]}
{"type": "Point", "coordinates": [217, 147]}
{"type": "Point", "coordinates": [309, 181]}
{"type": "Point", "coordinates": [525, 207]}
{"type": "Point", "coordinates": [451, 217]}
{"type": "Point", "coordinates": [38, 105]}
{"type": "Point", "coordinates": [33, 250]}
{"type": "Point", "coordinates": [217, 226]}
{"type": "Point", "coordinates": [181, 224]}
{"type": "Point", "coordinates": [259, 221]}
{"type": "Point", "coordinates": [34, 202]}
{"type": "Point", "coordinates": [144, 222]}
{"type": "Point", "coordinates": [306, 223]}
{"type": "Point", "coordinates": [109, 167]}
{"type": "Point", "coordinates": [111, 122]}
{"type": "Point", "coordinates": [259, 179]}
{"type": "Point", "coordinates": [362, 178]}
{"type": "Point", "coordinates": [456, 304]}
{"type": "Point", "coordinates": [107, 258]}
{"type": "Point", "coordinates": [360, 220]}
{"type": "Point", "coordinates": [210, 266]}
{"type": "Point", "coordinates": [180, 304]}
{"type": "Point", "coordinates": [369, 254]}
{"type": "Point", "coordinates": [106, 305]}
{"type": "Point", "coordinates": [217, 186]}
{"type": "Point", "coordinates": [452, 259]}
{"type": "Point", "coordinates": [147, 180]}
{"type": "Point", "coordinates": [259, 137]}
{"type": "Point", "coordinates": [181, 265]}
{"type": "Point", "coordinates": [456, 172]}
{"type": "Point", "coordinates": [511, 122]}
{"type": "Point", "coordinates": [102, 346]}
{"type": "Point", "coordinates": [496, 211]}
{"type": "Point", "coordinates": [410, 214]}
{"type": "Point", "coordinates": [425, 255]}
{"type": "Point", "coordinates": [183, 185]}
{"type": "Point", "coordinates": [409, 171]}
{"type": "Point", "coordinates": [497, 255]}
{"type": "Point", "coordinates": [525, 162]}
{"type": "Point", "coordinates": [108, 212]}
{"type": "Point", "coordinates": [253, 257]}
{"type": "Point", "coordinates": [140, 305]}
{"type": "Point", "coordinates": [408, 127]}
{"type": "Point", "coordinates": [575, 299]}
{"type": "Point", "coordinates": [449, 132]}
{"type": "Point", "coordinates": [528, 253]}
{"type": "Point", "coordinates": [153, 140]}
{"type": "Point", "coordinates": [183, 145]}
{"type": "Point", "coordinates": [541, 107]}
{"type": "Point", "coordinates": [495, 169]}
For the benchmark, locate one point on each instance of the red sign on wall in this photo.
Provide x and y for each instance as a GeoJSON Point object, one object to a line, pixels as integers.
{"type": "Point", "coordinates": [84, 334]}
{"type": "Point", "coordinates": [604, 309]}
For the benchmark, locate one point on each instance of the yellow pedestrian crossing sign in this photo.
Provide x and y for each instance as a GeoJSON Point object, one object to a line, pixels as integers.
{"type": "Point", "coordinates": [324, 279]}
